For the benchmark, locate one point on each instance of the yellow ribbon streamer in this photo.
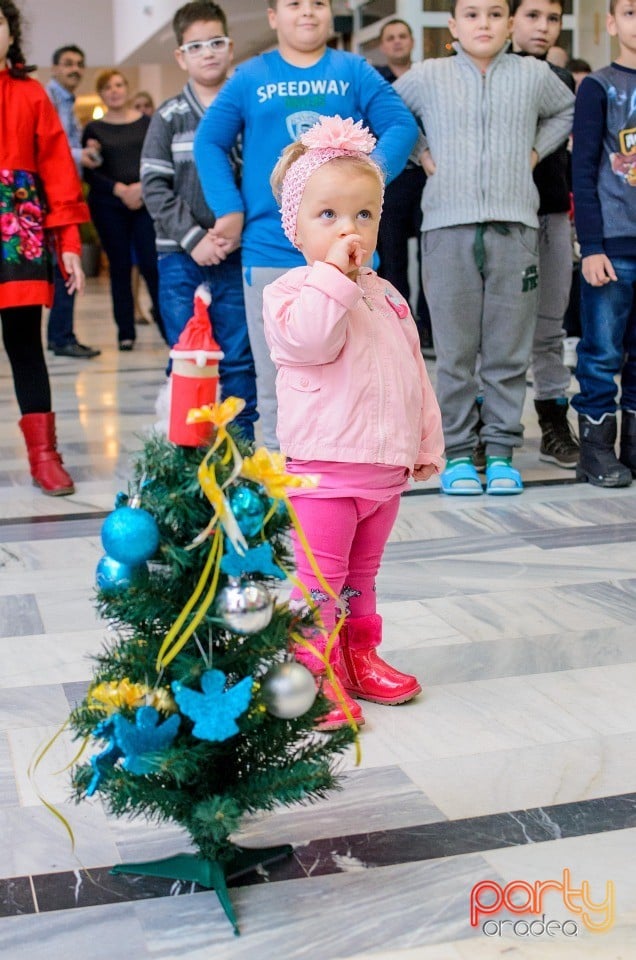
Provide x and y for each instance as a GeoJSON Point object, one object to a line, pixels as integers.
{"type": "Point", "coordinates": [173, 643]}
{"type": "Point", "coordinates": [222, 510]}
{"type": "Point", "coordinates": [32, 770]}
{"type": "Point", "coordinates": [219, 414]}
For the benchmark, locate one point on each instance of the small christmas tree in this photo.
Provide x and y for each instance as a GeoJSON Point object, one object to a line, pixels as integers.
{"type": "Point", "coordinates": [197, 712]}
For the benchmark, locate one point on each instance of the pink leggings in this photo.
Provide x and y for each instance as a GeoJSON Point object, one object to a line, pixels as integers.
{"type": "Point", "coordinates": [347, 536]}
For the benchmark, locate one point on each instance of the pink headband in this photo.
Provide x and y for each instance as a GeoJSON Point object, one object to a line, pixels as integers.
{"type": "Point", "coordinates": [331, 137]}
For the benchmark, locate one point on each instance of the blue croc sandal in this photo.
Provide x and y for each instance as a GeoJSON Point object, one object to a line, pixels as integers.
{"type": "Point", "coordinates": [460, 479]}
{"type": "Point", "coordinates": [502, 479]}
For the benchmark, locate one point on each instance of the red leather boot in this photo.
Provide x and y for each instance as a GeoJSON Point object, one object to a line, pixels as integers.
{"type": "Point", "coordinates": [46, 463]}
{"type": "Point", "coordinates": [336, 717]}
{"type": "Point", "coordinates": [364, 673]}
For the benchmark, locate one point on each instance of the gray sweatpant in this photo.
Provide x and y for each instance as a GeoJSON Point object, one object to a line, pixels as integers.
{"type": "Point", "coordinates": [255, 279]}
{"type": "Point", "coordinates": [490, 313]}
{"type": "Point", "coordinates": [551, 376]}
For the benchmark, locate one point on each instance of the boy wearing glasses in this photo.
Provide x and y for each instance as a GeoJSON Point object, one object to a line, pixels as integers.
{"type": "Point", "coordinates": [188, 252]}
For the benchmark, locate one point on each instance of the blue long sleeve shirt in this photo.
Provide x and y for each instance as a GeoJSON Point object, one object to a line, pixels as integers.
{"type": "Point", "coordinates": [272, 103]}
{"type": "Point", "coordinates": [604, 162]}
{"type": "Point", "coordinates": [64, 103]}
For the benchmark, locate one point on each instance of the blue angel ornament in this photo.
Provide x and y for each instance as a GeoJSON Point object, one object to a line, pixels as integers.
{"type": "Point", "coordinates": [216, 709]}
{"type": "Point", "coordinates": [258, 559]}
{"type": "Point", "coordinates": [136, 742]}
{"type": "Point", "coordinates": [143, 738]}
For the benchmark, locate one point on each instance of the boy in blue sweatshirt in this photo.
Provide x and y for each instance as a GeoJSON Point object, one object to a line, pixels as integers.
{"type": "Point", "coordinates": [188, 252]}
{"type": "Point", "coordinates": [271, 100]}
{"type": "Point", "coordinates": [604, 181]}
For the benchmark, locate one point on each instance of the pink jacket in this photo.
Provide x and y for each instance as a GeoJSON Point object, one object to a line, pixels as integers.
{"type": "Point", "coordinates": [352, 386]}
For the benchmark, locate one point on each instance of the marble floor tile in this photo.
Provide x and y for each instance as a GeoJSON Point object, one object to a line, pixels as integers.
{"type": "Point", "coordinates": [16, 898]}
{"type": "Point", "coordinates": [33, 840]}
{"type": "Point", "coordinates": [537, 776]}
{"type": "Point", "coordinates": [102, 932]}
{"type": "Point", "coordinates": [19, 615]}
{"type": "Point", "coordinates": [32, 706]}
{"type": "Point", "coordinates": [615, 945]}
{"type": "Point", "coordinates": [75, 607]}
{"type": "Point", "coordinates": [513, 613]}
{"type": "Point", "coordinates": [8, 789]}
{"type": "Point", "coordinates": [482, 716]}
{"type": "Point", "coordinates": [434, 663]}
{"type": "Point", "coordinates": [61, 657]}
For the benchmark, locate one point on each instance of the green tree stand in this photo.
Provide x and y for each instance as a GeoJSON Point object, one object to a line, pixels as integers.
{"type": "Point", "coordinates": [211, 874]}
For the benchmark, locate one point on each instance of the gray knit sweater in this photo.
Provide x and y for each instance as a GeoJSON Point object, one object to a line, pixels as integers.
{"type": "Point", "coordinates": [481, 129]}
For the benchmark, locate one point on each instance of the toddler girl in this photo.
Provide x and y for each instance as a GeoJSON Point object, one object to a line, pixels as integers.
{"type": "Point", "coordinates": [355, 404]}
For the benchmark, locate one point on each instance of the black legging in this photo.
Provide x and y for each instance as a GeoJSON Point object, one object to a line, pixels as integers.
{"type": "Point", "coordinates": [22, 337]}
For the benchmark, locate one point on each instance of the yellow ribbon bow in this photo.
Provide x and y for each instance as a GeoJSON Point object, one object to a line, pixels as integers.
{"type": "Point", "coordinates": [219, 414]}
{"type": "Point", "coordinates": [268, 469]}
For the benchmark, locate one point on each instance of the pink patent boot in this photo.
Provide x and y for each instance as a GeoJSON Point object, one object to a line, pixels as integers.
{"type": "Point", "coordinates": [336, 717]}
{"type": "Point", "coordinates": [364, 674]}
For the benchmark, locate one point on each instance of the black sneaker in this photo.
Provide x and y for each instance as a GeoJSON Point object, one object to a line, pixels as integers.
{"type": "Point", "coordinates": [76, 350]}
{"type": "Point", "coordinates": [558, 443]}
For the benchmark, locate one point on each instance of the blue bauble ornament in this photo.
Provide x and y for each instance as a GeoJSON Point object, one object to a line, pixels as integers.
{"type": "Point", "coordinates": [248, 508]}
{"type": "Point", "coordinates": [130, 535]}
{"type": "Point", "coordinates": [112, 577]}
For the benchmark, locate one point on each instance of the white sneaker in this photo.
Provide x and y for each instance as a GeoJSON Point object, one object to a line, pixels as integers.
{"type": "Point", "coordinates": [569, 352]}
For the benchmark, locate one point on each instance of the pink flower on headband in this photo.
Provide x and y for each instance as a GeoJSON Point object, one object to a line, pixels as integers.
{"type": "Point", "coordinates": [334, 133]}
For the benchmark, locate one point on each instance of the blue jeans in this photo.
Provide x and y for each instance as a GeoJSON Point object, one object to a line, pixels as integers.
{"type": "Point", "coordinates": [179, 276]}
{"type": "Point", "coordinates": [608, 343]}
{"type": "Point", "coordinates": [60, 324]}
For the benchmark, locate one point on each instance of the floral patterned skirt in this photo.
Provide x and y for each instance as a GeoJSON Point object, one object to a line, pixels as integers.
{"type": "Point", "coordinates": [25, 251]}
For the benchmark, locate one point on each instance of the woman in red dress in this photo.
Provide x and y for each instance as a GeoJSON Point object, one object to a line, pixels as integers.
{"type": "Point", "coordinates": [40, 209]}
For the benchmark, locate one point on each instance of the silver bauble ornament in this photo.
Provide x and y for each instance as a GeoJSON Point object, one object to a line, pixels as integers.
{"type": "Point", "coordinates": [289, 690]}
{"type": "Point", "coordinates": [245, 607]}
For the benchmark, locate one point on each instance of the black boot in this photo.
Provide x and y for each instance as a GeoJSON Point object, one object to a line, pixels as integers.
{"type": "Point", "coordinates": [558, 443]}
{"type": "Point", "coordinates": [628, 440]}
{"type": "Point", "coordinates": [597, 461]}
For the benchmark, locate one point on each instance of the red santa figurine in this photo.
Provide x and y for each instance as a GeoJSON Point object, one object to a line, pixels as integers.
{"type": "Point", "coordinates": [194, 381]}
